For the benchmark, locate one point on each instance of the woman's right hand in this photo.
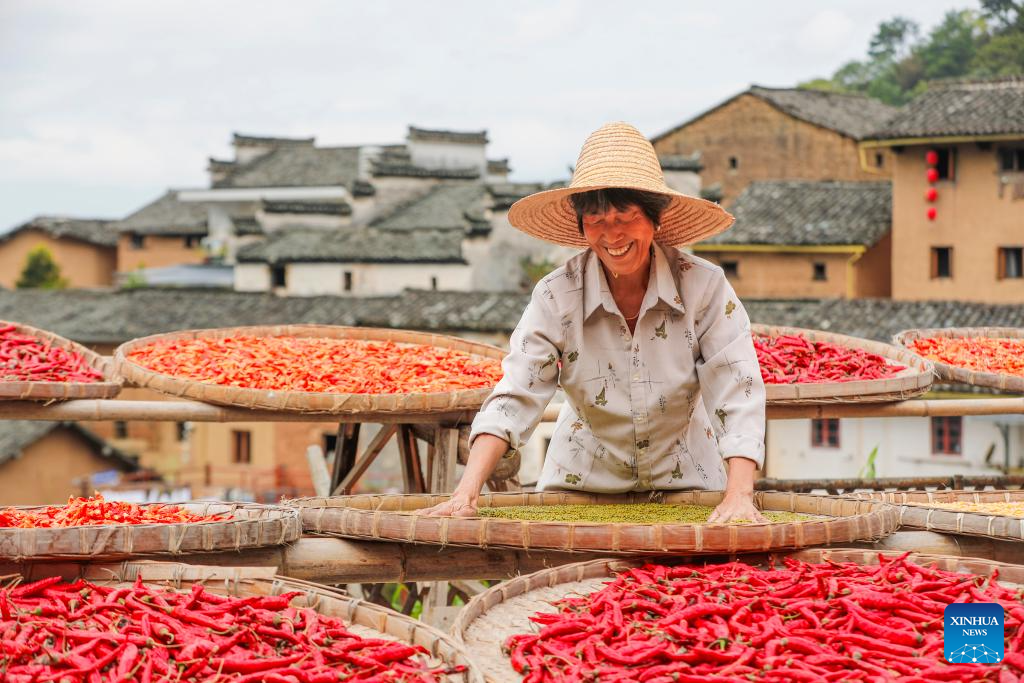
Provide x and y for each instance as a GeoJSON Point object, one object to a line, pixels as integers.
{"type": "Point", "coordinates": [459, 505]}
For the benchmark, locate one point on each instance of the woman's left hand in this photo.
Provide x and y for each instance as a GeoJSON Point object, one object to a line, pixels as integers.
{"type": "Point", "coordinates": [736, 507]}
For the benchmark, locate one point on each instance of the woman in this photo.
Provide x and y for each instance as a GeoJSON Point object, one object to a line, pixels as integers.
{"type": "Point", "coordinates": [651, 345]}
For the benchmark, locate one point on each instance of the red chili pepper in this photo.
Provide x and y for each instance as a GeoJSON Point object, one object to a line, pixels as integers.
{"type": "Point", "coordinates": [1001, 356]}
{"type": "Point", "coordinates": [26, 358]}
{"type": "Point", "coordinates": [791, 359]}
{"type": "Point", "coordinates": [97, 511]}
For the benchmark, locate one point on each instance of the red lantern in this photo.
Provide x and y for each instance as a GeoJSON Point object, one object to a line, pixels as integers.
{"type": "Point", "coordinates": [932, 157]}
{"type": "Point", "coordinates": [933, 175]}
{"type": "Point", "coordinates": [932, 213]}
{"type": "Point", "coordinates": [931, 194]}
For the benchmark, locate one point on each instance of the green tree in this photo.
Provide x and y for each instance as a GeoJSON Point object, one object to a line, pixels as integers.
{"type": "Point", "coordinates": [952, 45]}
{"type": "Point", "coordinates": [41, 271]}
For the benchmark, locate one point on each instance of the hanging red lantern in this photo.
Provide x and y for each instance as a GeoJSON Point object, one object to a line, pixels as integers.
{"type": "Point", "coordinates": [931, 157]}
{"type": "Point", "coordinates": [932, 213]}
{"type": "Point", "coordinates": [931, 194]}
{"type": "Point", "coordinates": [933, 175]}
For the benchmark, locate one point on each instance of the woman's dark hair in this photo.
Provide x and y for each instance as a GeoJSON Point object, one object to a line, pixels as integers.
{"type": "Point", "coordinates": [599, 201]}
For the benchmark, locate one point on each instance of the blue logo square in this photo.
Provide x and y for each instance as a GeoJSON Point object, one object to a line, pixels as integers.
{"type": "Point", "coordinates": [974, 633]}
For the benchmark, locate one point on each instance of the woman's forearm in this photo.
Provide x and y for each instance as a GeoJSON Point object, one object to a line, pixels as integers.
{"type": "Point", "coordinates": [483, 457]}
{"type": "Point", "coordinates": [742, 472]}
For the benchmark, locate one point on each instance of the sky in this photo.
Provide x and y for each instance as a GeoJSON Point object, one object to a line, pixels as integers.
{"type": "Point", "coordinates": [105, 104]}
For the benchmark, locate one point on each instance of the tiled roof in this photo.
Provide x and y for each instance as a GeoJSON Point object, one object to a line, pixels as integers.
{"type": "Point", "coordinates": [955, 108]}
{"type": "Point", "coordinates": [310, 208]}
{"type": "Point", "coordinates": [448, 205]}
{"type": "Point", "coordinates": [466, 137]}
{"type": "Point", "coordinates": [797, 212]}
{"type": "Point", "coordinates": [356, 245]}
{"type": "Point", "coordinates": [504, 195]}
{"type": "Point", "coordinates": [498, 166]}
{"type": "Point", "coordinates": [247, 226]}
{"type": "Point", "coordinates": [298, 165]}
{"type": "Point", "coordinates": [167, 216]}
{"type": "Point", "coordinates": [681, 162]}
{"type": "Point", "coordinates": [240, 139]}
{"type": "Point", "coordinates": [114, 317]}
{"type": "Point", "coordinates": [91, 230]}
{"type": "Point", "coordinates": [17, 435]}
{"type": "Point", "coordinates": [854, 116]}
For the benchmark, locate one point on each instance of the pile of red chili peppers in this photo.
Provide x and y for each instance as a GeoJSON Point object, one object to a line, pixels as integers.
{"type": "Point", "coordinates": [24, 358]}
{"type": "Point", "coordinates": [54, 631]}
{"type": "Point", "coordinates": [347, 366]}
{"type": "Point", "coordinates": [1001, 356]}
{"type": "Point", "coordinates": [96, 510]}
{"type": "Point", "coordinates": [792, 359]}
{"type": "Point", "coordinates": [735, 622]}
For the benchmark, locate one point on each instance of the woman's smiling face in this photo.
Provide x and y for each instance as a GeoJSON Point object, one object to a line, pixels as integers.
{"type": "Point", "coordinates": [620, 238]}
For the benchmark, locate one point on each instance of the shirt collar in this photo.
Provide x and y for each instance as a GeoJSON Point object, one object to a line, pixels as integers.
{"type": "Point", "coordinates": [662, 285]}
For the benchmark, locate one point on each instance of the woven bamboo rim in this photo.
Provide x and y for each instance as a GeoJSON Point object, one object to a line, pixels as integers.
{"type": "Point", "coordinates": [249, 526]}
{"type": "Point", "coordinates": [365, 619]}
{"type": "Point", "coordinates": [953, 373]}
{"type": "Point", "coordinates": [504, 610]}
{"type": "Point", "coordinates": [916, 512]}
{"type": "Point", "coordinates": [391, 518]}
{"type": "Point", "coordinates": [46, 391]}
{"type": "Point", "coordinates": [913, 381]}
{"type": "Point", "coordinates": [302, 401]}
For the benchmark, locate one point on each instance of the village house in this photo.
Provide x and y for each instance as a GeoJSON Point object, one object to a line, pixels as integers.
{"type": "Point", "coordinates": [802, 238]}
{"type": "Point", "coordinates": [779, 134]}
{"type": "Point", "coordinates": [42, 463]}
{"type": "Point", "coordinates": [84, 249]}
{"type": "Point", "coordinates": [958, 191]}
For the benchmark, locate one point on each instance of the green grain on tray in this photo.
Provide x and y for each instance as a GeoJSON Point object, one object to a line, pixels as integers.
{"type": "Point", "coordinates": [635, 513]}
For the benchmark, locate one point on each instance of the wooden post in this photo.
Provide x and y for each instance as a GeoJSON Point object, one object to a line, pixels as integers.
{"type": "Point", "coordinates": [364, 462]}
{"type": "Point", "coordinates": [409, 453]}
{"type": "Point", "coordinates": [318, 471]}
{"type": "Point", "coordinates": [345, 452]}
{"type": "Point", "coordinates": [442, 470]}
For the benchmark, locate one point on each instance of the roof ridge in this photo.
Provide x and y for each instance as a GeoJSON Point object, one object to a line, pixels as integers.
{"type": "Point", "coordinates": [966, 81]}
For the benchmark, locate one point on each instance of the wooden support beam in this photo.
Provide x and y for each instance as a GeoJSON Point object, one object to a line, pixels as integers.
{"type": "Point", "coordinates": [345, 452]}
{"type": "Point", "coordinates": [409, 454]}
{"type": "Point", "coordinates": [446, 453]}
{"type": "Point", "coordinates": [363, 463]}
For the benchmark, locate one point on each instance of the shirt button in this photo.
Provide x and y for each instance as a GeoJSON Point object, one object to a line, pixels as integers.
{"type": "Point", "coordinates": [636, 378]}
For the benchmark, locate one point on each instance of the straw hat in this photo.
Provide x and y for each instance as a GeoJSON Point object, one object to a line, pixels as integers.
{"type": "Point", "coordinates": [617, 155]}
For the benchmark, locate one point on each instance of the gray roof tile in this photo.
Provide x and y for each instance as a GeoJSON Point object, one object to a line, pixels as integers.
{"type": "Point", "coordinates": [449, 205]}
{"type": "Point", "coordinates": [795, 212]}
{"type": "Point", "coordinates": [992, 107]}
{"type": "Point", "coordinates": [17, 435]}
{"type": "Point", "coordinates": [167, 215]}
{"type": "Point", "coordinates": [96, 231]}
{"type": "Point", "coordinates": [356, 245]}
{"type": "Point", "coordinates": [298, 166]}
{"type": "Point", "coordinates": [431, 135]}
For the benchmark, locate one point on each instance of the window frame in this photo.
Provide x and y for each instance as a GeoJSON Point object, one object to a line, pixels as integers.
{"type": "Point", "coordinates": [137, 241]}
{"type": "Point", "coordinates": [279, 277]}
{"type": "Point", "coordinates": [1003, 261]}
{"type": "Point", "coordinates": [944, 440]}
{"type": "Point", "coordinates": [241, 447]}
{"type": "Point", "coordinates": [935, 263]}
{"type": "Point", "coordinates": [825, 433]}
{"type": "Point", "coordinates": [734, 163]}
{"type": "Point", "coordinates": [1015, 155]}
{"type": "Point", "coordinates": [824, 271]}
{"type": "Point", "coordinates": [347, 281]}
{"type": "Point", "coordinates": [731, 269]}
{"type": "Point", "coordinates": [946, 165]}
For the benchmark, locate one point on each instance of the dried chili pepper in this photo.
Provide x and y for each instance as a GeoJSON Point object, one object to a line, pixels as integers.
{"type": "Point", "coordinates": [792, 359]}
{"type": "Point", "coordinates": [983, 354]}
{"type": "Point", "coordinates": [98, 511]}
{"type": "Point", "coordinates": [24, 358]}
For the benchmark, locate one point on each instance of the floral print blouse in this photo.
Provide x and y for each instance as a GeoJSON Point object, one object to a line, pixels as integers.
{"type": "Point", "coordinates": [657, 409]}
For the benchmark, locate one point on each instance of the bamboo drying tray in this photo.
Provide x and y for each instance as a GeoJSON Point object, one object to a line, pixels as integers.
{"type": "Point", "coordinates": [913, 381]}
{"type": "Point", "coordinates": [248, 526]}
{"type": "Point", "coordinates": [47, 391]}
{"type": "Point", "coordinates": [303, 401]}
{"type": "Point", "coordinates": [916, 512]}
{"type": "Point", "coordinates": [953, 373]}
{"type": "Point", "coordinates": [392, 518]}
{"type": "Point", "coordinates": [365, 619]}
{"type": "Point", "coordinates": [504, 610]}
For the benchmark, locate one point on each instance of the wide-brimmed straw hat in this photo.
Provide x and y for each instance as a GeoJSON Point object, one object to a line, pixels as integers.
{"type": "Point", "coordinates": [617, 155]}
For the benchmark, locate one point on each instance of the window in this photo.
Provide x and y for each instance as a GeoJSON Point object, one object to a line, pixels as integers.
{"type": "Point", "coordinates": [193, 241]}
{"type": "Point", "coordinates": [1011, 159]}
{"type": "Point", "coordinates": [947, 163]}
{"type": "Point", "coordinates": [731, 268]}
{"type": "Point", "coordinates": [330, 444]}
{"type": "Point", "coordinates": [138, 241]}
{"type": "Point", "coordinates": [181, 430]}
{"type": "Point", "coordinates": [820, 273]}
{"type": "Point", "coordinates": [433, 283]}
{"type": "Point", "coordinates": [942, 262]}
{"type": "Point", "coordinates": [241, 446]}
{"type": "Point", "coordinates": [347, 285]}
{"type": "Point", "coordinates": [120, 430]}
{"type": "Point", "coordinates": [825, 433]}
{"type": "Point", "coordinates": [278, 277]}
{"type": "Point", "coordinates": [734, 163]}
{"type": "Point", "coordinates": [879, 160]}
{"type": "Point", "coordinates": [1011, 262]}
{"type": "Point", "coordinates": [947, 433]}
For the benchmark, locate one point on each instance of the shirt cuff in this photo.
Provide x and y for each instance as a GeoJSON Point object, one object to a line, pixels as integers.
{"type": "Point", "coordinates": [741, 446]}
{"type": "Point", "coordinates": [495, 425]}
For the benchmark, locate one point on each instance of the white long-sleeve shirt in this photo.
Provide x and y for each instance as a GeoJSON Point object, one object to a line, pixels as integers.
{"type": "Point", "coordinates": [657, 409]}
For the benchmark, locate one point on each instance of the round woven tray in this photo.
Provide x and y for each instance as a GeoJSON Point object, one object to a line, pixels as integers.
{"type": "Point", "coordinates": [46, 391]}
{"type": "Point", "coordinates": [391, 518]}
{"type": "Point", "coordinates": [364, 619]}
{"type": "Point", "coordinates": [301, 401]}
{"type": "Point", "coordinates": [249, 526]}
{"type": "Point", "coordinates": [915, 512]}
{"type": "Point", "coordinates": [952, 373]}
{"type": "Point", "coordinates": [504, 610]}
{"type": "Point", "coordinates": [913, 381]}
